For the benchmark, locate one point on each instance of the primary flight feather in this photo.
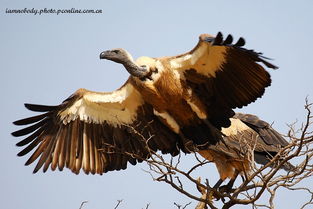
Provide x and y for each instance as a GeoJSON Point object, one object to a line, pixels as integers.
{"type": "Point", "coordinates": [168, 104]}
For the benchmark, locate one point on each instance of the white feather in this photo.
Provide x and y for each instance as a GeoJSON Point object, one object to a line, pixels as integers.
{"type": "Point", "coordinates": [116, 108]}
{"type": "Point", "coordinates": [206, 60]}
{"type": "Point", "coordinates": [169, 120]}
{"type": "Point", "coordinates": [236, 127]}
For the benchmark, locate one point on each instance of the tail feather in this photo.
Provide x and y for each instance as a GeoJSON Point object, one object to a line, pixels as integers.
{"type": "Point", "coordinates": [264, 158]}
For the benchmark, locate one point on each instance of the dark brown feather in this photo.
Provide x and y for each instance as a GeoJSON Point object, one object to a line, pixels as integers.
{"type": "Point", "coordinates": [86, 151]}
{"type": "Point", "coordinates": [74, 143]}
{"type": "Point", "coordinates": [29, 129]}
{"type": "Point", "coordinates": [269, 135]}
{"type": "Point", "coordinates": [228, 40]}
{"type": "Point", "coordinates": [57, 150]}
{"type": "Point", "coordinates": [30, 120]}
{"type": "Point", "coordinates": [37, 152]}
{"type": "Point", "coordinates": [31, 146]}
{"type": "Point", "coordinates": [68, 144]}
{"type": "Point", "coordinates": [40, 108]}
{"type": "Point", "coordinates": [45, 152]}
{"type": "Point", "coordinates": [30, 138]}
{"type": "Point", "coordinates": [62, 155]}
{"type": "Point", "coordinates": [92, 150]}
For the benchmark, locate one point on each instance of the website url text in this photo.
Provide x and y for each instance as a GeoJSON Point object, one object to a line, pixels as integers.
{"type": "Point", "coordinates": [52, 11]}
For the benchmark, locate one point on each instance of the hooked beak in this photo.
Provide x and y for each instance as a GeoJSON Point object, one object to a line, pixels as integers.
{"type": "Point", "coordinates": [105, 54]}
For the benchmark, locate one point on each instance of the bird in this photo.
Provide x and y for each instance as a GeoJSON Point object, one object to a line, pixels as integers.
{"type": "Point", "coordinates": [247, 140]}
{"type": "Point", "coordinates": [168, 104]}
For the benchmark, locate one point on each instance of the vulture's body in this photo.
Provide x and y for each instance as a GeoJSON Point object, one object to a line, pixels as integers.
{"type": "Point", "coordinates": [168, 104]}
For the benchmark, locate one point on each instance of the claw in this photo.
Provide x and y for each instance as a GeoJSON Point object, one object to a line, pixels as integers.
{"type": "Point", "coordinates": [225, 189]}
{"type": "Point", "coordinates": [213, 195]}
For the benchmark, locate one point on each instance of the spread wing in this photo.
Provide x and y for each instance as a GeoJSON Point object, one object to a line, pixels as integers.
{"type": "Point", "coordinates": [249, 133]}
{"type": "Point", "coordinates": [224, 75]}
{"type": "Point", "coordinates": [243, 137]}
{"type": "Point", "coordinates": [267, 134]}
{"type": "Point", "coordinates": [93, 131]}
{"type": "Point", "coordinates": [269, 139]}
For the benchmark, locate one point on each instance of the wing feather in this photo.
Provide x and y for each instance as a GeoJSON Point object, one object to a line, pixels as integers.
{"type": "Point", "coordinates": [57, 150]}
{"type": "Point", "coordinates": [74, 140]}
{"type": "Point", "coordinates": [267, 134]}
{"type": "Point", "coordinates": [30, 120]}
{"type": "Point", "coordinates": [48, 154]}
{"type": "Point", "coordinates": [93, 132]}
{"type": "Point", "coordinates": [86, 162]}
{"type": "Point", "coordinates": [33, 136]}
{"type": "Point", "coordinates": [79, 155]}
{"type": "Point", "coordinates": [29, 129]}
{"type": "Point", "coordinates": [62, 155]}
{"type": "Point", "coordinates": [40, 108]}
{"type": "Point", "coordinates": [248, 134]}
{"type": "Point", "coordinates": [223, 75]}
{"type": "Point", "coordinates": [37, 153]}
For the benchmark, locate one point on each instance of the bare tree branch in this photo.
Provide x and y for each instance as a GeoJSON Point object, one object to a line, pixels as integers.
{"type": "Point", "coordinates": [82, 204]}
{"type": "Point", "coordinates": [118, 203]}
{"type": "Point", "coordinates": [264, 179]}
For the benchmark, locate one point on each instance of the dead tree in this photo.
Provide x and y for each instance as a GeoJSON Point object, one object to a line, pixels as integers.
{"type": "Point", "coordinates": [264, 179]}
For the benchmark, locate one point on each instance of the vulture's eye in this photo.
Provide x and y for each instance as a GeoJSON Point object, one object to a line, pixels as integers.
{"type": "Point", "coordinates": [144, 67]}
{"type": "Point", "coordinates": [115, 51]}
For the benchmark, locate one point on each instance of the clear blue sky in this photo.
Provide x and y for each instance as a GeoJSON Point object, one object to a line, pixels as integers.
{"type": "Point", "coordinates": [46, 58]}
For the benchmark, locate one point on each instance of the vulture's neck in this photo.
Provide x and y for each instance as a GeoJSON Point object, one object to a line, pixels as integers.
{"type": "Point", "coordinates": [135, 70]}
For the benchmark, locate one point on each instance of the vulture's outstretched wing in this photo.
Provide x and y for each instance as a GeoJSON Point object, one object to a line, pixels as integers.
{"type": "Point", "coordinates": [223, 74]}
{"type": "Point", "coordinates": [268, 135]}
{"type": "Point", "coordinates": [247, 137]}
{"type": "Point", "coordinates": [246, 141]}
{"type": "Point", "coordinates": [248, 133]}
{"type": "Point", "coordinates": [97, 132]}
{"type": "Point", "coordinates": [268, 139]}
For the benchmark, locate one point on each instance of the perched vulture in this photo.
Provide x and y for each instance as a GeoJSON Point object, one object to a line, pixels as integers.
{"type": "Point", "coordinates": [246, 141]}
{"type": "Point", "coordinates": [168, 104]}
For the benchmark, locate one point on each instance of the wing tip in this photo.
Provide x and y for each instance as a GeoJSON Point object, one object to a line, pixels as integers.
{"type": "Point", "coordinates": [39, 108]}
{"type": "Point", "coordinates": [218, 40]}
{"type": "Point", "coordinates": [21, 153]}
{"type": "Point", "coordinates": [17, 123]}
{"type": "Point", "coordinates": [15, 134]}
{"type": "Point", "coordinates": [266, 63]}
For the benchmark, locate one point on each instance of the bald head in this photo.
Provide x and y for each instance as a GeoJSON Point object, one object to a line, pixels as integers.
{"type": "Point", "coordinates": [118, 55]}
{"type": "Point", "coordinates": [122, 56]}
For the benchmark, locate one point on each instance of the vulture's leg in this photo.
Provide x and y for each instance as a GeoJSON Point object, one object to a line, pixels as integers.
{"type": "Point", "coordinates": [218, 184]}
{"type": "Point", "coordinates": [213, 192]}
{"type": "Point", "coordinates": [227, 188]}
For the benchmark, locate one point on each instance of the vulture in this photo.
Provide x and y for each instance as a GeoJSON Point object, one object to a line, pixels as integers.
{"type": "Point", "coordinates": [168, 104]}
{"type": "Point", "coordinates": [248, 140]}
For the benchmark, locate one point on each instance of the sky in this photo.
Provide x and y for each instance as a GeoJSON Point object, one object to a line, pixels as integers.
{"type": "Point", "coordinates": [45, 58]}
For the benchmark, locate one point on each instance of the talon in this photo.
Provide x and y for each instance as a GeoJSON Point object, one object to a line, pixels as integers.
{"type": "Point", "coordinates": [224, 189]}
{"type": "Point", "coordinates": [213, 195]}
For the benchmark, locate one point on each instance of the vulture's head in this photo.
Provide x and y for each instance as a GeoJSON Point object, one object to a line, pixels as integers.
{"type": "Point", "coordinates": [117, 55]}
{"type": "Point", "coordinates": [122, 56]}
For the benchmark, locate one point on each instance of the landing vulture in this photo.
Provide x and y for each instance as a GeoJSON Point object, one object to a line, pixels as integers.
{"type": "Point", "coordinates": [248, 140]}
{"type": "Point", "coordinates": [168, 104]}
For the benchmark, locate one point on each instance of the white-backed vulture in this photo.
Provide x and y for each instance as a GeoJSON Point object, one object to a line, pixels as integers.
{"type": "Point", "coordinates": [167, 104]}
{"type": "Point", "coordinates": [246, 141]}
